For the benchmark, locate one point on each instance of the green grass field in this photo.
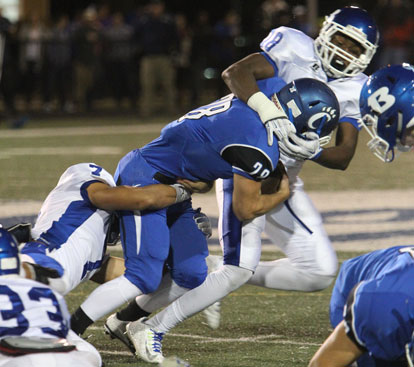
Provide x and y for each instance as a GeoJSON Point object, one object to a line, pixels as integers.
{"type": "Point", "coordinates": [260, 327]}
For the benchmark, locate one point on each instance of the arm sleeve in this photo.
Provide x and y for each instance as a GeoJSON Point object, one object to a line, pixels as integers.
{"type": "Point", "coordinates": [248, 161]}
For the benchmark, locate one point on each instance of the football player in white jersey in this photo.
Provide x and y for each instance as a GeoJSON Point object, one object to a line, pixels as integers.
{"type": "Point", "coordinates": [344, 48]}
{"type": "Point", "coordinates": [34, 320]}
{"type": "Point", "coordinates": [70, 230]}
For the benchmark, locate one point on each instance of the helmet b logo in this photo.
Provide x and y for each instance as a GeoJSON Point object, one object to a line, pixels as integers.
{"type": "Point", "coordinates": [381, 100]}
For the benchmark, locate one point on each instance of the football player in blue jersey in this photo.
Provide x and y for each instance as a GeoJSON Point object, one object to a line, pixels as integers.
{"type": "Point", "coordinates": [34, 322]}
{"type": "Point", "coordinates": [372, 304]}
{"type": "Point", "coordinates": [372, 311]}
{"type": "Point", "coordinates": [387, 102]}
{"type": "Point", "coordinates": [221, 140]}
{"type": "Point", "coordinates": [345, 46]}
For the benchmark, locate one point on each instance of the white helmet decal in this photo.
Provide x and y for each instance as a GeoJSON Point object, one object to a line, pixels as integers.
{"type": "Point", "coordinates": [381, 100]}
{"type": "Point", "coordinates": [327, 112]}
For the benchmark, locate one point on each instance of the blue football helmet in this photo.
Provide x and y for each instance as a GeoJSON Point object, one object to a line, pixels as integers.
{"type": "Point", "coordinates": [356, 24]}
{"type": "Point", "coordinates": [312, 107]}
{"type": "Point", "coordinates": [387, 110]}
{"type": "Point", "coordinates": [9, 254]}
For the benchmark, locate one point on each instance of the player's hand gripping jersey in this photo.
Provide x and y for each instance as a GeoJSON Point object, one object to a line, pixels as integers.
{"type": "Point", "coordinates": [215, 141]}
{"type": "Point", "coordinates": [293, 56]}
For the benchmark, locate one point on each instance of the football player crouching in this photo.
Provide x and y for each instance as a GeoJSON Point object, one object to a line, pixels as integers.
{"type": "Point", "coordinates": [34, 327]}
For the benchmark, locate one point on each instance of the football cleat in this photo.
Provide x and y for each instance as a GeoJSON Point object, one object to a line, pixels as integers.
{"type": "Point", "coordinates": [174, 362]}
{"type": "Point", "coordinates": [116, 329]}
{"type": "Point", "coordinates": [212, 314]}
{"type": "Point", "coordinates": [147, 341]}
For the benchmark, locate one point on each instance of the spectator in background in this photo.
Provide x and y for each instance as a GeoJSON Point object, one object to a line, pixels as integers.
{"type": "Point", "coordinates": [31, 36]}
{"type": "Point", "coordinates": [118, 57]}
{"type": "Point", "coordinates": [272, 14]}
{"type": "Point", "coordinates": [200, 54]}
{"type": "Point", "coordinates": [224, 48]}
{"type": "Point", "coordinates": [9, 73]}
{"type": "Point", "coordinates": [396, 19]}
{"type": "Point", "coordinates": [87, 57]}
{"type": "Point", "coordinates": [157, 37]}
{"type": "Point", "coordinates": [104, 16]}
{"type": "Point", "coordinates": [182, 62]}
{"type": "Point", "coordinates": [59, 61]}
{"type": "Point", "coordinates": [300, 20]}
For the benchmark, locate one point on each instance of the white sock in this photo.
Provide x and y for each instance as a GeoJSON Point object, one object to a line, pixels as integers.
{"type": "Point", "coordinates": [216, 286]}
{"type": "Point", "coordinates": [281, 274]}
{"type": "Point", "coordinates": [108, 297]}
{"type": "Point", "coordinates": [167, 292]}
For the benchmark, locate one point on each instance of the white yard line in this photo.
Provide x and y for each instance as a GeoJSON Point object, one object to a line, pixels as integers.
{"type": "Point", "coordinates": [82, 131]}
{"type": "Point", "coordinates": [66, 151]}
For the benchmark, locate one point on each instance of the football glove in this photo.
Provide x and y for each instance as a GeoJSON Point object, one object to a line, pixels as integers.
{"type": "Point", "coordinates": [41, 273]}
{"type": "Point", "coordinates": [203, 223]}
{"type": "Point", "coordinates": [21, 232]}
{"type": "Point", "coordinates": [301, 148]}
{"type": "Point", "coordinates": [272, 116]}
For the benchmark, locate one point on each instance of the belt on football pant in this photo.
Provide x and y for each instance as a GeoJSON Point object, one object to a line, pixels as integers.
{"type": "Point", "coordinates": [166, 180]}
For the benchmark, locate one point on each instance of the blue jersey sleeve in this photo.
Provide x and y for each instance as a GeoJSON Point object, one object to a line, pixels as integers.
{"type": "Point", "coordinates": [378, 318]}
{"type": "Point", "coordinates": [249, 161]}
{"type": "Point", "coordinates": [271, 62]}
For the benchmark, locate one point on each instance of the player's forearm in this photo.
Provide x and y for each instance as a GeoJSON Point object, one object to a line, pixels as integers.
{"type": "Point", "coordinates": [242, 76]}
{"type": "Point", "coordinates": [134, 198]}
{"type": "Point", "coordinates": [336, 157]}
{"type": "Point", "coordinates": [261, 206]}
{"type": "Point", "coordinates": [241, 81]}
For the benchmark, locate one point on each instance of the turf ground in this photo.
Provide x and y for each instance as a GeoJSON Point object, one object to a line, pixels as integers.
{"type": "Point", "coordinates": [369, 205]}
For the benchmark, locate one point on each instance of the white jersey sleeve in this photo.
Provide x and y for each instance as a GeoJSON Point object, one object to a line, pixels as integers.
{"type": "Point", "coordinates": [293, 54]}
{"type": "Point", "coordinates": [348, 90]}
{"type": "Point", "coordinates": [80, 173]}
{"type": "Point", "coordinates": [31, 309]}
{"type": "Point", "coordinates": [67, 207]}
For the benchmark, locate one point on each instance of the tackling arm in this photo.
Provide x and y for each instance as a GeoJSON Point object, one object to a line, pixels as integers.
{"type": "Point", "coordinates": [249, 202]}
{"type": "Point", "coordinates": [338, 350]}
{"type": "Point", "coordinates": [339, 156]}
{"type": "Point", "coordinates": [241, 76]}
{"type": "Point", "coordinates": [150, 197]}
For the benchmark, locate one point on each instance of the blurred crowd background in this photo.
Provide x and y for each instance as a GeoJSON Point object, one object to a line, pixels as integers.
{"type": "Point", "coordinates": [154, 58]}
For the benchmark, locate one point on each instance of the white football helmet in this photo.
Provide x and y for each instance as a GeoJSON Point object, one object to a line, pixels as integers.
{"type": "Point", "coordinates": [356, 24]}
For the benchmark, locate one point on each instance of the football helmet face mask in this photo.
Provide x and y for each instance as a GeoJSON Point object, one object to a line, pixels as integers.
{"type": "Point", "coordinates": [9, 254]}
{"type": "Point", "coordinates": [387, 110]}
{"type": "Point", "coordinates": [312, 107]}
{"type": "Point", "coordinates": [354, 24]}
{"type": "Point", "coordinates": [409, 352]}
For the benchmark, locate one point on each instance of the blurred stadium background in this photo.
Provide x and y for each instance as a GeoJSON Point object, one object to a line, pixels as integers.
{"type": "Point", "coordinates": [44, 128]}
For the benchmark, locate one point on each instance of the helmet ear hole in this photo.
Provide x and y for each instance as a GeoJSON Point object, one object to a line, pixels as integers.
{"type": "Point", "coordinates": [391, 79]}
{"type": "Point", "coordinates": [390, 121]}
{"type": "Point", "coordinates": [313, 103]}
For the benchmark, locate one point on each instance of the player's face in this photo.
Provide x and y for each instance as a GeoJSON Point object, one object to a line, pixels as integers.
{"type": "Point", "coordinates": [348, 45]}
